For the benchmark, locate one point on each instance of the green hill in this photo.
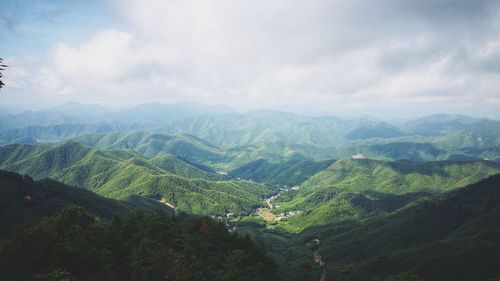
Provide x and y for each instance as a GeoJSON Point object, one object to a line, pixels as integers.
{"type": "Point", "coordinates": [414, 236]}
{"type": "Point", "coordinates": [399, 177]}
{"type": "Point", "coordinates": [290, 172]}
{"type": "Point", "coordinates": [178, 166]}
{"type": "Point", "coordinates": [353, 190]}
{"type": "Point", "coordinates": [413, 151]}
{"type": "Point", "coordinates": [198, 151]}
{"type": "Point", "coordinates": [378, 130]}
{"type": "Point", "coordinates": [455, 237]}
{"type": "Point", "coordinates": [277, 152]}
{"type": "Point", "coordinates": [232, 130]}
{"type": "Point", "coordinates": [122, 177]}
{"type": "Point", "coordinates": [58, 132]}
{"type": "Point", "coordinates": [153, 144]}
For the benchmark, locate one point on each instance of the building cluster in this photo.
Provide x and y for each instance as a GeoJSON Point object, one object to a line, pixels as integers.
{"type": "Point", "coordinates": [225, 220]}
{"type": "Point", "coordinates": [286, 215]}
{"type": "Point", "coordinates": [358, 156]}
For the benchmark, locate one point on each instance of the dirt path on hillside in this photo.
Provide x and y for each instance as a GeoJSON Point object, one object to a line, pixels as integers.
{"type": "Point", "coordinates": [266, 214]}
{"type": "Point", "coordinates": [318, 259]}
{"type": "Point", "coordinates": [166, 203]}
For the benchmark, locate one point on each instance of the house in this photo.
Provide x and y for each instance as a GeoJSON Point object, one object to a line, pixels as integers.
{"type": "Point", "coordinates": [358, 156]}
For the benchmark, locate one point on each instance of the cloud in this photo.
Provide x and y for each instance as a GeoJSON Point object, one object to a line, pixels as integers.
{"type": "Point", "coordinates": [108, 55]}
{"type": "Point", "coordinates": [319, 53]}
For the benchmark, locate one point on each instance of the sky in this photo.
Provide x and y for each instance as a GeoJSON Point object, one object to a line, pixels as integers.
{"type": "Point", "coordinates": [387, 58]}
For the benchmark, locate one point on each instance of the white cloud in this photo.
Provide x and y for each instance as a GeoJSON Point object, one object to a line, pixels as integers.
{"type": "Point", "coordinates": [106, 56]}
{"type": "Point", "coordinates": [320, 53]}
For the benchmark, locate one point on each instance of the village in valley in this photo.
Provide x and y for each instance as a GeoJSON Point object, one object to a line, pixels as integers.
{"type": "Point", "coordinates": [231, 220]}
{"type": "Point", "coordinates": [271, 217]}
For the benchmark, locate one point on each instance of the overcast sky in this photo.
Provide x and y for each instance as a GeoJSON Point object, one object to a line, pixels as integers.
{"type": "Point", "coordinates": [383, 58]}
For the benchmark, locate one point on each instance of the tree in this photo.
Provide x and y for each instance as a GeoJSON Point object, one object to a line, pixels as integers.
{"type": "Point", "coordinates": [403, 276]}
{"type": "Point", "coordinates": [305, 272]}
{"type": "Point", "coordinates": [2, 68]}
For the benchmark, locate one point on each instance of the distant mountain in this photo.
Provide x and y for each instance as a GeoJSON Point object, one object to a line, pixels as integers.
{"type": "Point", "coordinates": [47, 197]}
{"type": "Point", "coordinates": [42, 118]}
{"type": "Point", "coordinates": [263, 126]}
{"type": "Point", "coordinates": [157, 115]}
{"type": "Point", "coordinates": [242, 129]}
{"type": "Point", "coordinates": [226, 128]}
{"type": "Point", "coordinates": [152, 144]}
{"type": "Point", "coordinates": [152, 115]}
{"type": "Point", "coordinates": [482, 134]}
{"type": "Point", "coordinates": [278, 152]}
{"type": "Point", "coordinates": [413, 151]}
{"type": "Point", "coordinates": [246, 137]}
{"type": "Point", "coordinates": [438, 124]}
{"type": "Point", "coordinates": [77, 109]}
{"type": "Point", "coordinates": [56, 133]}
{"type": "Point", "coordinates": [378, 130]}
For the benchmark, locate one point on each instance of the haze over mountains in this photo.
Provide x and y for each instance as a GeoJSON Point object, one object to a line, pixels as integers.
{"type": "Point", "coordinates": [436, 137]}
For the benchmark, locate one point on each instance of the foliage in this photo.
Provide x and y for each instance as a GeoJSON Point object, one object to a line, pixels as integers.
{"type": "Point", "coordinates": [47, 197]}
{"type": "Point", "coordinates": [451, 238]}
{"type": "Point", "coordinates": [123, 175]}
{"type": "Point", "coordinates": [403, 276]}
{"type": "Point", "coordinates": [304, 272]}
{"type": "Point", "coordinates": [153, 144]}
{"type": "Point", "coordinates": [291, 172]}
{"type": "Point", "coordinates": [354, 190]}
{"type": "Point", "coordinates": [2, 68]}
{"type": "Point", "coordinates": [74, 246]}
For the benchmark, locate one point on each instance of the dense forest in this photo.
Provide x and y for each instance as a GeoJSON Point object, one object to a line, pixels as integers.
{"type": "Point", "coordinates": [72, 245]}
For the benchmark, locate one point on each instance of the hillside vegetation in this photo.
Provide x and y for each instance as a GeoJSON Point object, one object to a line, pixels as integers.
{"type": "Point", "coordinates": [291, 172]}
{"type": "Point", "coordinates": [47, 197]}
{"type": "Point", "coordinates": [153, 144]}
{"type": "Point", "coordinates": [353, 190]}
{"type": "Point", "coordinates": [454, 237]}
{"type": "Point", "coordinates": [122, 175]}
{"type": "Point", "coordinates": [74, 246]}
{"type": "Point", "coordinates": [360, 175]}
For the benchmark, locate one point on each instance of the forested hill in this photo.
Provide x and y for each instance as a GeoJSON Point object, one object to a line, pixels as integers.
{"type": "Point", "coordinates": [24, 201]}
{"type": "Point", "coordinates": [73, 246]}
{"type": "Point", "coordinates": [122, 175]}
{"type": "Point", "coordinates": [454, 237]}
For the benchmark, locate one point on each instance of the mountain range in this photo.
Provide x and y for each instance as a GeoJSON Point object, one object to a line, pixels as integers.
{"type": "Point", "coordinates": [327, 198]}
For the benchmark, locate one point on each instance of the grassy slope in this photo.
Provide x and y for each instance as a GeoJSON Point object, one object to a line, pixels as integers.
{"type": "Point", "coordinates": [353, 190]}
{"type": "Point", "coordinates": [289, 172]}
{"type": "Point", "coordinates": [122, 177]}
{"type": "Point", "coordinates": [153, 144]}
{"type": "Point", "coordinates": [401, 176]}
{"type": "Point", "coordinates": [195, 150]}
{"type": "Point", "coordinates": [178, 166]}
